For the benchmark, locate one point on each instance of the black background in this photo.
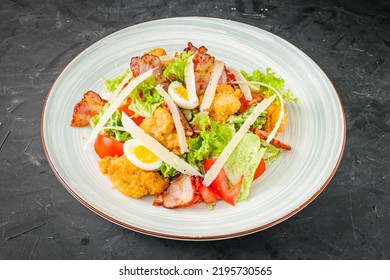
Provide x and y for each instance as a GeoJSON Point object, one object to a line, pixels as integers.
{"type": "Point", "coordinates": [349, 40]}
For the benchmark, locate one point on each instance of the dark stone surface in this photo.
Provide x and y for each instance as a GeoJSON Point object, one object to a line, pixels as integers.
{"type": "Point", "coordinates": [350, 40]}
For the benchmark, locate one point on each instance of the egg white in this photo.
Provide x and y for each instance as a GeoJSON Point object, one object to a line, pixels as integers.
{"type": "Point", "coordinates": [180, 101]}
{"type": "Point", "coordinates": [128, 149]}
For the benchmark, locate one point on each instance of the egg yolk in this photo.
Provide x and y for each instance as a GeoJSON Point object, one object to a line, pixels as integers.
{"type": "Point", "coordinates": [144, 154]}
{"type": "Point", "coordinates": [182, 92]}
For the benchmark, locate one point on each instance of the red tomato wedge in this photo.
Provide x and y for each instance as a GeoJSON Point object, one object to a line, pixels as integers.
{"type": "Point", "coordinates": [260, 169]}
{"type": "Point", "coordinates": [106, 146]}
{"type": "Point", "coordinates": [221, 186]}
{"type": "Point", "coordinates": [208, 194]}
{"type": "Point", "coordinates": [125, 109]}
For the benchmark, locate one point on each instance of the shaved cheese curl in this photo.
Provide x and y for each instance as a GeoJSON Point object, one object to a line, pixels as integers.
{"type": "Point", "coordinates": [281, 114]}
{"type": "Point", "coordinates": [240, 78]}
{"type": "Point", "coordinates": [176, 119]}
{"type": "Point", "coordinates": [159, 150]}
{"type": "Point", "coordinates": [189, 79]}
{"type": "Point", "coordinates": [221, 160]}
{"type": "Point", "coordinates": [212, 86]}
{"type": "Point", "coordinates": [115, 103]}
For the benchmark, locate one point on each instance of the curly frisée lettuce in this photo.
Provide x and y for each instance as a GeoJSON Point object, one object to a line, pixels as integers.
{"type": "Point", "coordinates": [174, 71]}
{"type": "Point", "coordinates": [168, 171]}
{"type": "Point", "coordinates": [238, 120]}
{"type": "Point", "coordinates": [113, 121]}
{"type": "Point", "coordinates": [269, 77]}
{"type": "Point", "coordinates": [211, 140]}
{"type": "Point", "coordinates": [145, 99]}
{"type": "Point", "coordinates": [112, 84]}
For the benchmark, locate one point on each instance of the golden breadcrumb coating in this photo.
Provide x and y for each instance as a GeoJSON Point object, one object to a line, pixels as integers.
{"type": "Point", "coordinates": [157, 52]}
{"type": "Point", "coordinates": [162, 128]}
{"type": "Point", "coordinates": [131, 180]}
{"type": "Point", "coordinates": [272, 117]}
{"type": "Point", "coordinates": [226, 102]}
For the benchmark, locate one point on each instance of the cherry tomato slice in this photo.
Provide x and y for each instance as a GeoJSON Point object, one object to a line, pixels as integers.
{"type": "Point", "coordinates": [106, 146]}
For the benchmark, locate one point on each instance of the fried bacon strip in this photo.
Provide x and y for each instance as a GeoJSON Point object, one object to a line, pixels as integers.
{"type": "Point", "coordinates": [180, 193]}
{"type": "Point", "coordinates": [203, 66]}
{"type": "Point", "coordinates": [140, 65]}
{"type": "Point", "coordinates": [89, 106]}
{"type": "Point", "coordinates": [263, 135]}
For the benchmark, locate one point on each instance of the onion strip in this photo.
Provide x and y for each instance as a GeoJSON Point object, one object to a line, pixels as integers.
{"type": "Point", "coordinates": [115, 103]}
{"type": "Point", "coordinates": [221, 160]}
{"type": "Point", "coordinates": [155, 147]}
{"type": "Point", "coordinates": [212, 86]}
{"type": "Point", "coordinates": [176, 119]}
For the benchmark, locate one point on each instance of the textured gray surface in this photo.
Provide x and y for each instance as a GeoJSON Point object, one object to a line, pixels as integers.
{"type": "Point", "coordinates": [350, 40]}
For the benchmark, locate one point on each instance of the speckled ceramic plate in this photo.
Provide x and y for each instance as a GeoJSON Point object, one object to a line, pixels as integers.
{"type": "Point", "coordinates": [316, 130]}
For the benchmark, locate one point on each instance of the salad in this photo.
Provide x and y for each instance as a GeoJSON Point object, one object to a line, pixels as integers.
{"type": "Point", "coordinates": [185, 127]}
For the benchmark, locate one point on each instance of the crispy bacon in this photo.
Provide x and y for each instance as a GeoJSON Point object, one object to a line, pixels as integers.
{"type": "Point", "coordinates": [89, 106]}
{"type": "Point", "coordinates": [190, 47]}
{"type": "Point", "coordinates": [180, 193]}
{"type": "Point", "coordinates": [203, 67]}
{"type": "Point", "coordinates": [263, 135]}
{"type": "Point", "coordinates": [140, 65]}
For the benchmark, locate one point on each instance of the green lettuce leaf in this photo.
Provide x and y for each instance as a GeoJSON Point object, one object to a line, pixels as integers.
{"type": "Point", "coordinates": [271, 152]}
{"type": "Point", "coordinates": [113, 83]}
{"type": "Point", "coordinates": [243, 162]}
{"type": "Point", "coordinates": [174, 71]}
{"type": "Point", "coordinates": [114, 120]}
{"type": "Point", "coordinates": [269, 77]}
{"type": "Point", "coordinates": [145, 99]}
{"type": "Point", "coordinates": [211, 140]}
{"type": "Point", "coordinates": [167, 170]}
{"type": "Point", "coordinates": [238, 120]}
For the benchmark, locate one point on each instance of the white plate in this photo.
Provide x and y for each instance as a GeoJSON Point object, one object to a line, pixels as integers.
{"type": "Point", "coordinates": [316, 129]}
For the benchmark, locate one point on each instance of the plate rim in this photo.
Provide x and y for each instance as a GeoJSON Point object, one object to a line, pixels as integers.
{"type": "Point", "coordinates": [186, 237]}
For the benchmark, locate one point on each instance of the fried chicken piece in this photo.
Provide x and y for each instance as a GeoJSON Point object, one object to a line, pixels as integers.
{"type": "Point", "coordinates": [162, 128]}
{"type": "Point", "coordinates": [226, 102]}
{"type": "Point", "coordinates": [157, 52]}
{"type": "Point", "coordinates": [272, 117]}
{"type": "Point", "coordinates": [89, 106]}
{"type": "Point", "coordinates": [131, 180]}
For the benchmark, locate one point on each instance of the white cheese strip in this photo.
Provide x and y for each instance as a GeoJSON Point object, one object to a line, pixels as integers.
{"type": "Point", "coordinates": [212, 86]}
{"type": "Point", "coordinates": [176, 119]}
{"type": "Point", "coordinates": [281, 114]}
{"type": "Point", "coordinates": [189, 79]}
{"type": "Point", "coordinates": [240, 78]}
{"type": "Point", "coordinates": [159, 150]}
{"type": "Point", "coordinates": [115, 103]}
{"type": "Point", "coordinates": [219, 163]}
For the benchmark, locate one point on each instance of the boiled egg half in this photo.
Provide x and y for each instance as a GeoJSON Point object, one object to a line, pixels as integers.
{"type": "Point", "coordinates": [182, 97]}
{"type": "Point", "coordinates": [141, 156]}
